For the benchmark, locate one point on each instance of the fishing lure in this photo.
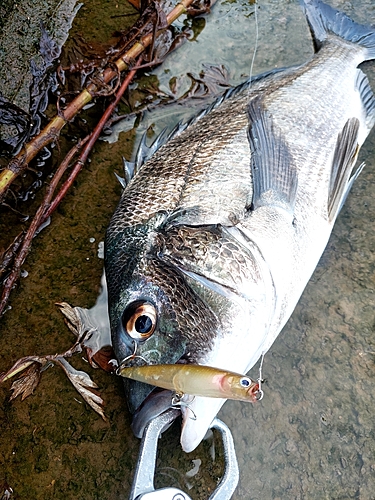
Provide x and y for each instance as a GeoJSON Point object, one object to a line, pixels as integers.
{"type": "Point", "coordinates": [195, 380]}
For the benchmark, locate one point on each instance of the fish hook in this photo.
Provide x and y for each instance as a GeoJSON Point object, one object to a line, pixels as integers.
{"type": "Point", "coordinates": [131, 356]}
{"type": "Point", "coordinates": [178, 403]}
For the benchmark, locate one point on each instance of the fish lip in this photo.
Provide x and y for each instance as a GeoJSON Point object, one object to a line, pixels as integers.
{"type": "Point", "coordinates": [156, 403]}
{"type": "Point", "coordinates": [136, 393]}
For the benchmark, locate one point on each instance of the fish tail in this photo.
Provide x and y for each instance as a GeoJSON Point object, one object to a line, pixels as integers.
{"type": "Point", "coordinates": [324, 19]}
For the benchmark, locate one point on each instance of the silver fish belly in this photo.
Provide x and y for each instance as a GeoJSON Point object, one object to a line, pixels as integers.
{"type": "Point", "coordinates": [217, 234]}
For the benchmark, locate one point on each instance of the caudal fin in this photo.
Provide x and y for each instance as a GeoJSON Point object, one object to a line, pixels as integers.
{"type": "Point", "coordinates": [324, 19]}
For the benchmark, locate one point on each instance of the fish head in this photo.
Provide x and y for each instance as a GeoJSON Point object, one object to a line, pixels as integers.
{"type": "Point", "coordinates": [182, 301]}
{"type": "Point", "coordinates": [156, 318]}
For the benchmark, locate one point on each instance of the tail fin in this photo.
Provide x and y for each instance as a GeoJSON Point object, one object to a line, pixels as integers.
{"type": "Point", "coordinates": [324, 19]}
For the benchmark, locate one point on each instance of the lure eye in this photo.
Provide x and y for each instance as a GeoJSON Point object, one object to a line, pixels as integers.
{"type": "Point", "coordinates": [139, 320]}
{"type": "Point", "coordinates": [245, 382]}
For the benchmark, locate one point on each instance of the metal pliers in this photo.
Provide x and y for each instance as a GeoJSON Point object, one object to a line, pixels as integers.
{"type": "Point", "coordinates": [143, 482]}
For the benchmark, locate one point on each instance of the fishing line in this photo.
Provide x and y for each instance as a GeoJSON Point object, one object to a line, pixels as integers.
{"type": "Point", "coordinates": [260, 379]}
{"type": "Point", "coordinates": [256, 44]}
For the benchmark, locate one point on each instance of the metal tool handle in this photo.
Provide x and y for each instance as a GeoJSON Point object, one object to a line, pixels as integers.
{"type": "Point", "coordinates": [165, 494]}
{"type": "Point", "coordinates": [143, 482]}
{"type": "Point", "coordinates": [229, 481]}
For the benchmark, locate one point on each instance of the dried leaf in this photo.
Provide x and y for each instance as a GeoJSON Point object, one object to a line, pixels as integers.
{"type": "Point", "coordinates": [92, 328]}
{"type": "Point", "coordinates": [21, 365]}
{"type": "Point", "coordinates": [82, 382]}
{"type": "Point", "coordinates": [27, 383]}
{"type": "Point", "coordinates": [210, 81]}
{"type": "Point", "coordinates": [104, 358]}
{"type": "Point", "coordinates": [72, 319]}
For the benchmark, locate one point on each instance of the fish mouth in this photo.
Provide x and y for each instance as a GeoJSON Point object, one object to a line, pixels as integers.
{"type": "Point", "coordinates": [197, 412]}
{"type": "Point", "coordinates": [153, 405]}
{"type": "Point", "coordinates": [137, 394]}
{"type": "Point", "coordinates": [197, 415]}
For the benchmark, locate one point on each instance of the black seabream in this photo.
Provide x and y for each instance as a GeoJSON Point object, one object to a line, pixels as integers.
{"type": "Point", "coordinates": [218, 232]}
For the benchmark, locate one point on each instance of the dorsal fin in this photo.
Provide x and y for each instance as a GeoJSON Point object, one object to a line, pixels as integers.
{"type": "Point", "coordinates": [344, 158]}
{"type": "Point", "coordinates": [145, 152]}
{"type": "Point", "coordinates": [273, 170]}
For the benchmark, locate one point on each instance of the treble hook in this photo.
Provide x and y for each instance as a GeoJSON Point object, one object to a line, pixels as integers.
{"type": "Point", "coordinates": [131, 356]}
{"type": "Point", "coordinates": [177, 403]}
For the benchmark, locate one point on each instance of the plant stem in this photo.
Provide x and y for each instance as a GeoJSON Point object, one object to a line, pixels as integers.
{"type": "Point", "coordinates": [92, 138]}
{"type": "Point", "coordinates": [35, 224]}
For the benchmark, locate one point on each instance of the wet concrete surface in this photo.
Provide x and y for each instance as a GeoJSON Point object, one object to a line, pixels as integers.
{"type": "Point", "coordinates": [21, 25]}
{"type": "Point", "coordinates": [312, 435]}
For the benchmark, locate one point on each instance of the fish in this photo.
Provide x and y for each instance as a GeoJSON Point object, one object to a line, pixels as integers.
{"type": "Point", "coordinates": [220, 227]}
{"type": "Point", "coordinates": [195, 380]}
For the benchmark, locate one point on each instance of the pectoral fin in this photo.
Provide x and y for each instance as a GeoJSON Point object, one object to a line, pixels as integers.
{"type": "Point", "coordinates": [343, 161]}
{"type": "Point", "coordinates": [274, 174]}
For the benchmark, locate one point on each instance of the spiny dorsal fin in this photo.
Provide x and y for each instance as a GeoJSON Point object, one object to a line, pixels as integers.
{"type": "Point", "coordinates": [344, 158]}
{"type": "Point", "coordinates": [274, 174]}
{"type": "Point", "coordinates": [144, 152]}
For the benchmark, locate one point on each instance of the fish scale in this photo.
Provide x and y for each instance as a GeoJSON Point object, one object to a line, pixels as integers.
{"type": "Point", "coordinates": [310, 104]}
{"type": "Point", "coordinates": [215, 255]}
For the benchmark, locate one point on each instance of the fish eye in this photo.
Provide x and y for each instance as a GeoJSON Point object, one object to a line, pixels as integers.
{"type": "Point", "coordinates": [139, 320]}
{"type": "Point", "coordinates": [245, 382]}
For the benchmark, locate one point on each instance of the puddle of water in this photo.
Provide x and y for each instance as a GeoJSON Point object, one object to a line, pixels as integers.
{"type": "Point", "coordinates": [311, 436]}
